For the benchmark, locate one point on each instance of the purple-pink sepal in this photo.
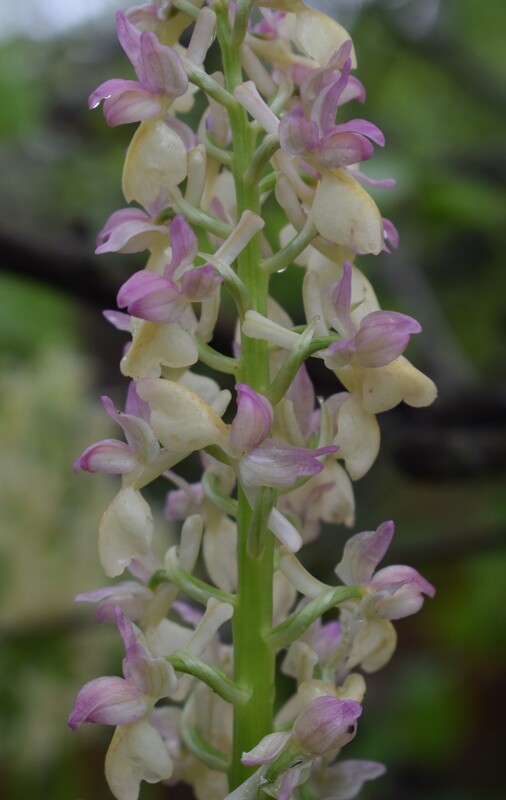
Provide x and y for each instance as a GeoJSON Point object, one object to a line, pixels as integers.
{"type": "Point", "coordinates": [130, 596]}
{"type": "Point", "coordinates": [129, 230]}
{"type": "Point", "coordinates": [253, 420]}
{"type": "Point", "coordinates": [159, 69]}
{"type": "Point", "coordinates": [123, 701]}
{"type": "Point", "coordinates": [109, 456]}
{"type": "Point", "coordinates": [107, 701]}
{"type": "Point", "coordinates": [397, 590]}
{"type": "Point", "coordinates": [380, 338]}
{"type": "Point", "coordinates": [279, 465]}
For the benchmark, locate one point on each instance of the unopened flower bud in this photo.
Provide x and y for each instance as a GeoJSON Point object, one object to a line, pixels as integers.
{"type": "Point", "coordinates": [326, 724]}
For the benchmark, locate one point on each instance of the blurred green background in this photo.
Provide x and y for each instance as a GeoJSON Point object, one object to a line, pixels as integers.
{"type": "Point", "coordinates": [435, 76]}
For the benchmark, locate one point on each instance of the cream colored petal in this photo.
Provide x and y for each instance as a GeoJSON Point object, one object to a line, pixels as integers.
{"type": "Point", "coordinates": [284, 597]}
{"type": "Point", "coordinates": [125, 531]}
{"type": "Point", "coordinates": [338, 504]}
{"type": "Point", "coordinates": [344, 213]}
{"type": "Point", "coordinates": [386, 387]}
{"type": "Point", "coordinates": [219, 550]}
{"type": "Point", "coordinates": [318, 35]}
{"type": "Point", "coordinates": [136, 753]}
{"type": "Point", "coordinates": [155, 160]}
{"type": "Point", "coordinates": [373, 644]}
{"type": "Point", "coordinates": [358, 437]}
{"type": "Point", "coordinates": [167, 637]}
{"type": "Point", "coordinates": [180, 418]}
{"type": "Point", "coordinates": [205, 387]}
{"type": "Point", "coordinates": [155, 345]}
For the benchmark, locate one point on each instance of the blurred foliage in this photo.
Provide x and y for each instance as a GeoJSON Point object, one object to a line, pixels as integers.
{"type": "Point", "coordinates": [434, 715]}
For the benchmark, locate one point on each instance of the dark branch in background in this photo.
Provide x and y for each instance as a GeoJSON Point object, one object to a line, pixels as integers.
{"type": "Point", "coordinates": [65, 267]}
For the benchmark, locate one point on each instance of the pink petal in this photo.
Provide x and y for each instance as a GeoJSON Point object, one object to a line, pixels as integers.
{"type": "Point", "coordinates": [401, 591]}
{"type": "Point", "coordinates": [184, 243]}
{"type": "Point", "coordinates": [130, 596]}
{"type": "Point", "coordinates": [121, 321]}
{"type": "Point", "coordinates": [365, 128]}
{"type": "Point", "coordinates": [160, 69]}
{"type": "Point", "coordinates": [200, 283]}
{"type": "Point", "coordinates": [390, 234]}
{"type": "Point", "coordinates": [252, 421]}
{"type": "Point", "coordinates": [151, 296]}
{"type": "Point", "coordinates": [362, 554]}
{"type": "Point", "coordinates": [325, 105]}
{"type": "Point", "coordinates": [383, 336]}
{"type": "Point", "coordinates": [302, 395]}
{"type": "Point", "coordinates": [129, 37]}
{"type": "Point", "coordinates": [129, 230]}
{"type": "Point", "coordinates": [279, 465]}
{"type": "Point", "coordinates": [109, 455]}
{"type": "Point", "coordinates": [340, 149]}
{"type": "Point", "coordinates": [111, 88]}
{"type": "Point", "coordinates": [297, 134]}
{"type": "Point", "coordinates": [130, 106]}
{"type": "Point", "coordinates": [340, 294]}
{"type": "Point", "coordinates": [108, 700]}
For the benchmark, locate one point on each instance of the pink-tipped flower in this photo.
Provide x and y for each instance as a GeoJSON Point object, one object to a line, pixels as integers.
{"type": "Point", "coordinates": [316, 80]}
{"type": "Point", "coordinates": [285, 759]}
{"type": "Point", "coordinates": [160, 72]}
{"type": "Point", "coordinates": [160, 298]}
{"type": "Point", "coordinates": [327, 724]}
{"type": "Point", "coordinates": [397, 590]}
{"type": "Point", "coordinates": [137, 751]}
{"type": "Point", "coordinates": [316, 137]}
{"type": "Point", "coordinates": [268, 462]}
{"type": "Point", "coordinates": [123, 701]}
{"type": "Point", "coordinates": [380, 338]}
{"type": "Point", "coordinates": [129, 230]}
{"type": "Point", "coordinates": [116, 457]}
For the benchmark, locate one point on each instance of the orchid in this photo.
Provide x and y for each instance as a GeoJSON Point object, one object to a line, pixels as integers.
{"type": "Point", "coordinates": [276, 460]}
{"type": "Point", "coordinates": [137, 751]}
{"type": "Point", "coordinates": [317, 138]}
{"type": "Point", "coordinates": [397, 590]}
{"type": "Point", "coordinates": [380, 338]}
{"type": "Point", "coordinates": [325, 725]}
{"type": "Point", "coordinates": [161, 76]}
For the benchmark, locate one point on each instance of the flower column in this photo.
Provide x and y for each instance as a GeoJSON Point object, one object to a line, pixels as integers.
{"type": "Point", "coordinates": [253, 659]}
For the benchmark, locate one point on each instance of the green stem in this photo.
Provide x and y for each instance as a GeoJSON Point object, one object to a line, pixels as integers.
{"type": "Point", "coordinates": [207, 753]}
{"type": "Point", "coordinates": [284, 257]}
{"type": "Point", "coordinates": [187, 7]}
{"type": "Point", "coordinates": [298, 622]}
{"type": "Point", "coordinates": [194, 587]}
{"type": "Point", "coordinates": [209, 85]}
{"type": "Point", "coordinates": [266, 150]}
{"type": "Point", "coordinates": [212, 491]}
{"type": "Point", "coordinates": [212, 358]}
{"type": "Point", "coordinates": [182, 661]}
{"type": "Point", "coordinates": [196, 216]}
{"type": "Point", "coordinates": [253, 659]}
